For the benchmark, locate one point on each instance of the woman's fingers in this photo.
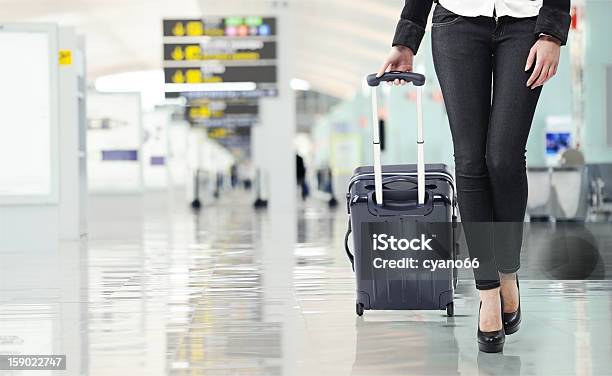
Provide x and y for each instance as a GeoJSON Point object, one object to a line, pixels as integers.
{"type": "Point", "coordinates": [535, 74]}
{"type": "Point", "coordinates": [542, 77]}
{"type": "Point", "coordinates": [546, 56]}
{"type": "Point", "coordinates": [543, 73]}
{"type": "Point", "coordinates": [396, 82]}
{"type": "Point", "coordinates": [383, 68]}
{"type": "Point", "coordinates": [530, 59]}
{"type": "Point", "coordinates": [554, 72]}
{"type": "Point", "coordinates": [548, 72]}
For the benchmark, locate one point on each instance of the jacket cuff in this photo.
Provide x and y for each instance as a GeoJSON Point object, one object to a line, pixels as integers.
{"type": "Point", "coordinates": [553, 22]}
{"type": "Point", "coordinates": [408, 34]}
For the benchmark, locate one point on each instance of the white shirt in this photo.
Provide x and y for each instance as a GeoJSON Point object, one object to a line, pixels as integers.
{"type": "Point", "coordinates": [475, 8]}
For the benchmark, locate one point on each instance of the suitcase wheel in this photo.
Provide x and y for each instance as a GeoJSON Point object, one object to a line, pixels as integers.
{"type": "Point", "coordinates": [450, 309]}
{"type": "Point", "coordinates": [359, 309]}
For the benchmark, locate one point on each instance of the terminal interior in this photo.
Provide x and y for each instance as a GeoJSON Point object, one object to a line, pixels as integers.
{"type": "Point", "coordinates": [173, 182]}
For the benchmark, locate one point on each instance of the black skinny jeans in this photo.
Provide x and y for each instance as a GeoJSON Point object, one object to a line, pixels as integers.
{"type": "Point", "coordinates": [480, 63]}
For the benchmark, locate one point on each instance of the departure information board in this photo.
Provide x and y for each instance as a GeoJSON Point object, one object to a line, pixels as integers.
{"type": "Point", "coordinates": [217, 113]}
{"type": "Point", "coordinates": [221, 27]}
{"type": "Point", "coordinates": [221, 74]}
{"type": "Point", "coordinates": [219, 50]}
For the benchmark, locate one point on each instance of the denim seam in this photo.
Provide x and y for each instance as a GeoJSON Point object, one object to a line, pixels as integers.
{"type": "Point", "coordinates": [441, 24]}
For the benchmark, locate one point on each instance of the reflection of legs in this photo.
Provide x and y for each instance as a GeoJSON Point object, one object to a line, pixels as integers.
{"type": "Point", "coordinates": [463, 63]}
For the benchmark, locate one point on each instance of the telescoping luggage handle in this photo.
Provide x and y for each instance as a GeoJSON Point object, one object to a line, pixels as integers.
{"type": "Point", "coordinates": [417, 80]}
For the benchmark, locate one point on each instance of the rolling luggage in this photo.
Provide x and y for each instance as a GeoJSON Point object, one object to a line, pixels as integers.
{"type": "Point", "coordinates": [416, 206]}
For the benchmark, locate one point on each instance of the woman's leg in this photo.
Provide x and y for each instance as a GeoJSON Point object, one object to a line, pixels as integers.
{"type": "Point", "coordinates": [512, 112]}
{"type": "Point", "coordinates": [462, 54]}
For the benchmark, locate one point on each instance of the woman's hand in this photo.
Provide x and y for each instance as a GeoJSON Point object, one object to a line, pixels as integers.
{"type": "Point", "coordinates": [545, 52]}
{"type": "Point", "coordinates": [399, 59]}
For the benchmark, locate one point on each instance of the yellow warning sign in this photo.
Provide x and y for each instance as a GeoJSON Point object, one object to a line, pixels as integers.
{"type": "Point", "coordinates": [178, 29]}
{"type": "Point", "coordinates": [178, 77]}
{"type": "Point", "coordinates": [177, 53]}
{"type": "Point", "coordinates": [65, 57]}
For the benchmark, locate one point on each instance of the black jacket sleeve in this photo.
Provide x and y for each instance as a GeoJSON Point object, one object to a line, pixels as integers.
{"type": "Point", "coordinates": [411, 26]}
{"type": "Point", "coordinates": [554, 19]}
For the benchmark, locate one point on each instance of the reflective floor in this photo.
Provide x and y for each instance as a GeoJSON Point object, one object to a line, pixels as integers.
{"type": "Point", "coordinates": [157, 289]}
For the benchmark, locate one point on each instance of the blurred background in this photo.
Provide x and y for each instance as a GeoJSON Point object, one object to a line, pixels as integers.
{"type": "Point", "coordinates": [173, 178]}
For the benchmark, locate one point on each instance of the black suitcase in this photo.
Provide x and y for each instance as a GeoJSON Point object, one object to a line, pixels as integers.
{"type": "Point", "coordinates": [415, 205]}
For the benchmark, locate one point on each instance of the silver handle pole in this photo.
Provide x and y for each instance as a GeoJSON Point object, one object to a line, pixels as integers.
{"type": "Point", "coordinates": [376, 149]}
{"type": "Point", "coordinates": [420, 148]}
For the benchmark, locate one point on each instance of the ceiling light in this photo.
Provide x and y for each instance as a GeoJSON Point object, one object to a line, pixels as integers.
{"type": "Point", "coordinates": [299, 84]}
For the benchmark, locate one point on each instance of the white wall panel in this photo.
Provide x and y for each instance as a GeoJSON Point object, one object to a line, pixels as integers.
{"type": "Point", "coordinates": [114, 140]}
{"type": "Point", "coordinates": [28, 114]}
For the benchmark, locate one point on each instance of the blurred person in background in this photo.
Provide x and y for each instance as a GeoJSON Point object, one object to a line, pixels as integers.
{"type": "Point", "coordinates": [301, 176]}
{"type": "Point", "coordinates": [245, 172]}
{"type": "Point", "coordinates": [234, 175]}
{"type": "Point", "coordinates": [491, 58]}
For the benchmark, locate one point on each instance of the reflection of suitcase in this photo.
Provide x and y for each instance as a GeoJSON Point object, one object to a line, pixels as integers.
{"type": "Point", "coordinates": [413, 203]}
{"type": "Point", "coordinates": [380, 348]}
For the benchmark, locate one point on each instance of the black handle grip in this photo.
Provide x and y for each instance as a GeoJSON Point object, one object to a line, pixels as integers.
{"type": "Point", "coordinates": [395, 200]}
{"type": "Point", "coordinates": [417, 79]}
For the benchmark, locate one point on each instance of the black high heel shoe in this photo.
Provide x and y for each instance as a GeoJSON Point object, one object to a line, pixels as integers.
{"type": "Point", "coordinates": [490, 342]}
{"type": "Point", "coordinates": [512, 320]}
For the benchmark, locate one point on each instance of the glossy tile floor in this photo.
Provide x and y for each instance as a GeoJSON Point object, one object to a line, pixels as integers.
{"type": "Point", "coordinates": [156, 289]}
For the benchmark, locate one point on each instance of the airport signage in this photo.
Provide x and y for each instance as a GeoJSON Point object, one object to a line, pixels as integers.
{"type": "Point", "coordinates": [241, 27]}
{"type": "Point", "coordinates": [223, 113]}
{"type": "Point", "coordinates": [234, 50]}
{"type": "Point", "coordinates": [226, 133]}
{"type": "Point", "coordinates": [220, 50]}
{"type": "Point", "coordinates": [224, 94]}
{"type": "Point", "coordinates": [221, 74]}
